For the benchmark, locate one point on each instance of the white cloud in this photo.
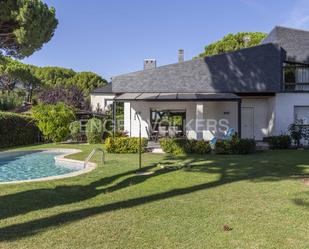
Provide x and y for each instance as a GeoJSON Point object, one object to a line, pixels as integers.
{"type": "Point", "coordinates": [298, 17]}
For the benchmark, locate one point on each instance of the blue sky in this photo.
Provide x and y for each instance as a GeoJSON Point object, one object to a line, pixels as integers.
{"type": "Point", "coordinates": [112, 37]}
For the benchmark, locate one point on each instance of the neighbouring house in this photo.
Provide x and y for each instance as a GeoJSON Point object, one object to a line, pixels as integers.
{"type": "Point", "coordinates": [258, 91]}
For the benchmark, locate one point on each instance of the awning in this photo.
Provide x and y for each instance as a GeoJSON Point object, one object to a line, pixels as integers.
{"type": "Point", "coordinates": [177, 97]}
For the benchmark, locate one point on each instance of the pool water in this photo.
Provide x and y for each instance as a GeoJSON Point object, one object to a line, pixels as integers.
{"type": "Point", "coordinates": [31, 165]}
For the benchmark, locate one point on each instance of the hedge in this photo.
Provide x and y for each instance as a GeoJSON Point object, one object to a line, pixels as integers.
{"type": "Point", "coordinates": [235, 146]}
{"type": "Point", "coordinates": [177, 146]}
{"type": "Point", "coordinates": [279, 142]}
{"type": "Point", "coordinates": [122, 145]}
{"type": "Point", "coordinates": [17, 130]}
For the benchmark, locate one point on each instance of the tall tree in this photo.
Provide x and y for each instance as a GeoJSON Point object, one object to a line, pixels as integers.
{"type": "Point", "coordinates": [25, 25]}
{"type": "Point", "coordinates": [87, 81]}
{"type": "Point", "coordinates": [233, 42]}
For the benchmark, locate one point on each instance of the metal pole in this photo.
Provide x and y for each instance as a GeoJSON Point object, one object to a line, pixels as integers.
{"type": "Point", "coordinates": [140, 144]}
{"type": "Point", "coordinates": [114, 118]}
{"type": "Point", "coordinates": [239, 118]}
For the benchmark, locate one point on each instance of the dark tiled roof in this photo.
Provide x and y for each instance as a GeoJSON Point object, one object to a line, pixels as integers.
{"type": "Point", "coordinates": [256, 69]}
{"type": "Point", "coordinates": [295, 42]}
{"type": "Point", "coordinates": [104, 89]}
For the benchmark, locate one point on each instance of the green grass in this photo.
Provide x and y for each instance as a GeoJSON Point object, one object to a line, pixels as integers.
{"type": "Point", "coordinates": [262, 197]}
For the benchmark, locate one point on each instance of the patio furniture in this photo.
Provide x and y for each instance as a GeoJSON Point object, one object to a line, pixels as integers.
{"type": "Point", "coordinates": [172, 131]}
{"type": "Point", "coordinates": [152, 135]}
{"type": "Point", "coordinates": [162, 131]}
{"type": "Point", "coordinates": [227, 136]}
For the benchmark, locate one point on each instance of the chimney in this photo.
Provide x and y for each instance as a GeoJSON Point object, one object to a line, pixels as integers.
{"type": "Point", "coordinates": [150, 64]}
{"type": "Point", "coordinates": [181, 56]}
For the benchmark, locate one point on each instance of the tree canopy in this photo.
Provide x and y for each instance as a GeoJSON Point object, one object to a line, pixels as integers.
{"type": "Point", "coordinates": [25, 25]}
{"type": "Point", "coordinates": [233, 42]}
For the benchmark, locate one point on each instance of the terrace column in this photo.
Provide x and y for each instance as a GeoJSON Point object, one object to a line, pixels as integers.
{"type": "Point", "coordinates": [199, 121]}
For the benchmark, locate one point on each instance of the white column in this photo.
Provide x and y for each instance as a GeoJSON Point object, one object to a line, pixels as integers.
{"type": "Point", "coordinates": [127, 117]}
{"type": "Point", "coordinates": [199, 121]}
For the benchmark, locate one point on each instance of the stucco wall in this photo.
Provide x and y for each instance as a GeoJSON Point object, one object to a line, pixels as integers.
{"type": "Point", "coordinates": [263, 110]}
{"type": "Point", "coordinates": [100, 99]}
{"type": "Point", "coordinates": [211, 110]}
{"type": "Point", "coordinates": [284, 105]}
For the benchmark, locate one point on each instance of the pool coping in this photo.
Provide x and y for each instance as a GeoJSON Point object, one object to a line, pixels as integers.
{"type": "Point", "coordinates": [58, 159]}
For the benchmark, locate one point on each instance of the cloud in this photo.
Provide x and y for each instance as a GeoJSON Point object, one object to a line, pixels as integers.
{"type": "Point", "coordinates": [298, 17]}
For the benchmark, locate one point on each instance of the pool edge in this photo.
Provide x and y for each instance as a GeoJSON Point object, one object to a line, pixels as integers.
{"type": "Point", "coordinates": [60, 158]}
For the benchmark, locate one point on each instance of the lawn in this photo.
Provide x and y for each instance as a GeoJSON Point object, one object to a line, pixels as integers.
{"type": "Point", "coordinates": [261, 197]}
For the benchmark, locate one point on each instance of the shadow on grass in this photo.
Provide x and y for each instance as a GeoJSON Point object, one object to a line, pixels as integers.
{"type": "Point", "coordinates": [271, 166]}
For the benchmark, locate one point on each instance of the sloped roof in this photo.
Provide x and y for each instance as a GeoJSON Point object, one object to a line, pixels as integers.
{"type": "Point", "coordinates": [177, 96]}
{"type": "Point", "coordinates": [255, 69]}
{"type": "Point", "coordinates": [105, 89]}
{"type": "Point", "coordinates": [294, 41]}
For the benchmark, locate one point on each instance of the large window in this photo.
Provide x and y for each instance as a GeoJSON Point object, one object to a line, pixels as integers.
{"type": "Point", "coordinates": [168, 122]}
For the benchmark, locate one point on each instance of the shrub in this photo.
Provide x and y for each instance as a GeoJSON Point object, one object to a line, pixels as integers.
{"type": "Point", "coordinates": [223, 147]}
{"type": "Point", "coordinates": [94, 131]}
{"type": "Point", "coordinates": [53, 120]}
{"type": "Point", "coordinates": [246, 146]}
{"type": "Point", "coordinates": [297, 131]}
{"type": "Point", "coordinates": [177, 146]}
{"type": "Point", "coordinates": [75, 130]}
{"type": "Point", "coordinates": [123, 145]}
{"type": "Point", "coordinates": [9, 101]}
{"type": "Point", "coordinates": [235, 146]}
{"type": "Point", "coordinates": [279, 142]}
{"type": "Point", "coordinates": [17, 130]}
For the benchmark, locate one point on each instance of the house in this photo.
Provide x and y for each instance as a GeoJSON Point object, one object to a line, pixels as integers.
{"type": "Point", "coordinates": [258, 91]}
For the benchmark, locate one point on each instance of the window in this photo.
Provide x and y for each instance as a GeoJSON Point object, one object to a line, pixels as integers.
{"type": "Point", "coordinates": [108, 103]}
{"type": "Point", "coordinates": [296, 77]}
{"type": "Point", "coordinates": [302, 113]}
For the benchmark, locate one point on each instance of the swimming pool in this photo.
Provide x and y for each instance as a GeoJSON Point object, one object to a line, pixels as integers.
{"type": "Point", "coordinates": [38, 165]}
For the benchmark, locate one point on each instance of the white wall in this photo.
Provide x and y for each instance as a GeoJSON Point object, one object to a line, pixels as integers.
{"type": "Point", "coordinates": [99, 99]}
{"type": "Point", "coordinates": [284, 106]}
{"type": "Point", "coordinates": [263, 115]}
{"type": "Point", "coordinates": [211, 110]}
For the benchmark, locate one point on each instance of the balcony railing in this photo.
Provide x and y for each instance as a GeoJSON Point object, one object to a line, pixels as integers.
{"type": "Point", "coordinates": [296, 87]}
{"type": "Point", "coordinates": [296, 77]}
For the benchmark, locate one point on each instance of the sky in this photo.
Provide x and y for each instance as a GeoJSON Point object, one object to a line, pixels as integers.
{"type": "Point", "coordinates": [112, 37]}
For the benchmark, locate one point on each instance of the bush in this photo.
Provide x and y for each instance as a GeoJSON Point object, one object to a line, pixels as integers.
{"type": "Point", "coordinates": [94, 131]}
{"type": "Point", "coordinates": [53, 120]}
{"type": "Point", "coordinates": [17, 130]}
{"type": "Point", "coordinates": [121, 145]}
{"type": "Point", "coordinates": [235, 146]}
{"type": "Point", "coordinates": [177, 146]}
{"type": "Point", "coordinates": [297, 131]}
{"type": "Point", "coordinates": [75, 130]}
{"type": "Point", "coordinates": [223, 147]}
{"type": "Point", "coordinates": [9, 101]}
{"type": "Point", "coordinates": [279, 142]}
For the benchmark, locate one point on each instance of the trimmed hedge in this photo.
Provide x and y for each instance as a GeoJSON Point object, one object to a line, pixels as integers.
{"type": "Point", "coordinates": [235, 146]}
{"type": "Point", "coordinates": [17, 130]}
{"type": "Point", "coordinates": [177, 146]}
{"type": "Point", "coordinates": [122, 145]}
{"type": "Point", "coordinates": [279, 142]}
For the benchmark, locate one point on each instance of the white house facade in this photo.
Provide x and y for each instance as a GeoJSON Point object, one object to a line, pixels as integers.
{"type": "Point", "coordinates": [257, 91]}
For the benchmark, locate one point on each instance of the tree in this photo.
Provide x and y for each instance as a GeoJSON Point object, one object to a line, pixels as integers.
{"type": "Point", "coordinates": [14, 73]}
{"type": "Point", "coordinates": [53, 120]}
{"type": "Point", "coordinates": [11, 72]}
{"type": "Point", "coordinates": [233, 42]}
{"type": "Point", "coordinates": [71, 96]}
{"type": "Point", "coordinates": [51, 76]}
{"type": "Point", "coordinates": [87, 81]}
{"type": "Point", "coordinates": [25, 25]}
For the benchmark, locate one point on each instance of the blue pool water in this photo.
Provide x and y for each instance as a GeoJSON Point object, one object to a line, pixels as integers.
{"type": "Point", "coordinates": [31, 165]}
